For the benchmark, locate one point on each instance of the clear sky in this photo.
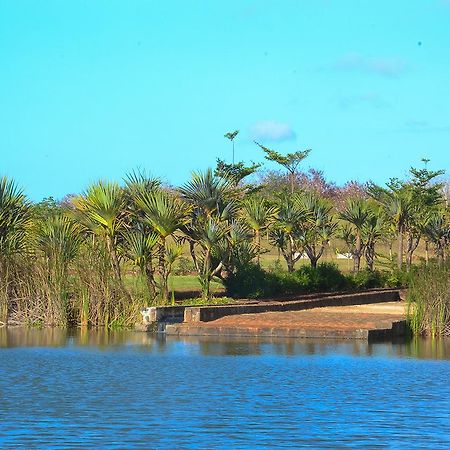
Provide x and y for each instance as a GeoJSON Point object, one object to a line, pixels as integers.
{"type": "Point", "coordinates": [93, 89]}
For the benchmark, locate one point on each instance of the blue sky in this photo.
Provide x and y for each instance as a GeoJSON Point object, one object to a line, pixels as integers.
{"type": "Point", "coordinates": [93, 89]}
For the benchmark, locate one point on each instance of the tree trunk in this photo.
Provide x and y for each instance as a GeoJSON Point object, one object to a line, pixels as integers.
{"type": "Point", "coordinates": [258, 246]}
{"type": "Point", "coordinates": [357, 254]}
{"type": "Point", "coordinates": [370, 256]}
{"type": "Point", "coordinates": [290, 256]}
{"type": "Point", "coordinates": [164, 288]}
{"type": "Point", "coordinates": [400, 249]}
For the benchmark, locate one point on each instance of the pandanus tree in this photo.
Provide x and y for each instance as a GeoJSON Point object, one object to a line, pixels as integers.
{"type": "Point", "coordinates": [165, 213]}
{"type": "Point", "coordinates": [319, 227]}
{"type": "Point", "coordinates": [139, 247]}
{"type": "Point", "coordinates": [59, 239]}
{"type": "Point", "coordinates": [15, 218]}
{"type": "Point", "coordinates": [258, 214]}
{"type": "Point", "coordinates": [140, 241]}
{"type": "Point", "coordinates": [214, 205]}
{"type": "Point", "coordinates": [285, 233]}
{"type": "Point", "coordinates": [290, 161]}
{"type": "Point", "coordinates": [437, 230]}
{"type": "Point", "coordinates": [101, 209]}
{"type": "Point", "coordinates": [372, 232]}
{"type": "Point", "coordinates": [356, 213]}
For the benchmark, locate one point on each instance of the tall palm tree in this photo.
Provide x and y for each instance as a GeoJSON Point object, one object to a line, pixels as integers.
{"type": "Point", "coordinates": [258, 215]}
{"type": "Point", "coordinates": [165, 214]}
{"type": "Point", "coordinates": [356, 214]}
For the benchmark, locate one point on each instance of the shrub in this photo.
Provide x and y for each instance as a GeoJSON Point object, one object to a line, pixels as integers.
{"type": "Point", "coordinates": [184, 266]}
{"type": "Point", "coordinates": [252, 281]}
{"type": "Point", "coordinates": [326, 277]}
{"type": "Point", "coordinates": [366, 279]}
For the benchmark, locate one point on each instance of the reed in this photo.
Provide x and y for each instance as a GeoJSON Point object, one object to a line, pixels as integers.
{"type": "Point", "coordinates": [429, 300]}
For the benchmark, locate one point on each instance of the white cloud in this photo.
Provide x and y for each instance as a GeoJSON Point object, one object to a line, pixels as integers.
{"type": "Point", "coordinates": [271, 130]}
{"type": "Point", "coordinates": [385, 66]}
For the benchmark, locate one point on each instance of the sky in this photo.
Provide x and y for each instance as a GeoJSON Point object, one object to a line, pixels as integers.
{"type": "Point", "coordinates": [93, 89]}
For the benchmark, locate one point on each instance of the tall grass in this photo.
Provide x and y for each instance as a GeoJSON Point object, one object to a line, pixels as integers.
{"type": "Point", "coordinates": [429, 300]}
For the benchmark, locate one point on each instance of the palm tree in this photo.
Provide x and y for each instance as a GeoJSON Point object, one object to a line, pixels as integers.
{"type": "Point", "coordinates": [318, 229]}
{"type": "Point", "coordinates": [373, 230]}
{"type": "Point", "coordinates": [258, 215]}
{"type": "Point", "coordinates": [290, 217]}
{"type": "Point", "coordinates": [210, 195]}
{"type": "Point", "coordinates": [356, 214]}
{"type": "Point", "coordinates": [139, 247]}
{"type": "Point", "coordinates": [437, 231]}
{"type": "Point", "coordinates": [102, 210]}
{"type": "Point", "coordinates": [165, 214]}
{"type": "Point", "coordinates": [14, 221]}
{"type": "Point", "coordinates": [399, 207]}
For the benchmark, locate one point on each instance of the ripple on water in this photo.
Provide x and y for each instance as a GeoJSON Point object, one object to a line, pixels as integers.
{"type": "Point", "coordinates": [133, 390]}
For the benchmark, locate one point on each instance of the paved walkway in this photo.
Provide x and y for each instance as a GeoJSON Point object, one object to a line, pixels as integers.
{"type": "Point", "coordinates": [339, 321]}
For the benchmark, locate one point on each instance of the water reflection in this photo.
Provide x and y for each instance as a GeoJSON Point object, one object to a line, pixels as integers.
{"type": "Point", "coordinates": [215, 346]}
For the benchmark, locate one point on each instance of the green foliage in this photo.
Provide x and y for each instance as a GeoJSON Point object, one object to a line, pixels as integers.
{"type": "Point", "coordinates": [367, 279]}
{"type": "Point", "coordinates": [252, 281]}
{"type": "Point", "coordinates": [235, 172]}
{"type": "Point", "coordinates": [429, 300]}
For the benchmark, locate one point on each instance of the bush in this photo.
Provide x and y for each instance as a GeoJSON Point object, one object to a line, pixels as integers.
{"type": "Point", "coordinates": [183, 266]}
{"type": "Point", "coordinates": [366, 279]}
{"type": "Point", "coordinates": [397, 278]}
{"type": "Point", "coordinates": [326, 277]}
{"type": "Point", "coordinates": [251, 281]}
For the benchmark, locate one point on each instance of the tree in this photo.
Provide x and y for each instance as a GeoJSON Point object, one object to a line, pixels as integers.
{"type": "Point", "coordinates": [356, 213]}
{"type": "Point", "coordinates": [102, 210]}
{"type": "Point", "coordinates": [258, 215]}
{"type": "Point", "coordinates": [231, 135]}
{"type": "Point", "coordinates": [234, 172]}
{"type": "Point", "coordinates": [437, 230]}
{"type": "Point", "coordinates": [285, 233]}
{"type": "Point", "coordinates": [214, 207]}
{"type": "Point", "coordinates": [165, 214]}
{"type": "Point", "coordinates": [406, 204]}
{"type": "Point", "coordinates": [290, 161]}
{"type": "Point", "coordinates": [315, 232]}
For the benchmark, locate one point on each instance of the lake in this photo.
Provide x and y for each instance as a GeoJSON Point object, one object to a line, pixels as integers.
{"type": "Point", "coordinates": [85, 389]}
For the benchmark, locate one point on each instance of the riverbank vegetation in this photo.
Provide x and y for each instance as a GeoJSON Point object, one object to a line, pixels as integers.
{"type": "Point", "coordinates": [97, 258]}
{"type": "Point", "coordinates": [429, 300]}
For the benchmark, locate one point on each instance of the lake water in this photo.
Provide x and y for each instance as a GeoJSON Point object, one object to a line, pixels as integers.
{"type": "Point", "coordinates": [133, 390]}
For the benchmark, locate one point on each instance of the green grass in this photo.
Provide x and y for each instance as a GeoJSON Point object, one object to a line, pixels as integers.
{"type": "Point", "coordinates": [190, 283]}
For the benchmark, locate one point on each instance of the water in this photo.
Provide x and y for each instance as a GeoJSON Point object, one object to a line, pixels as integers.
{"type": "Point", "coordinates": [133, 390]}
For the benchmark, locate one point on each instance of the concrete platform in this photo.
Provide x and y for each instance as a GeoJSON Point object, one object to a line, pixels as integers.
{"type": "Point", "coordinates": [369, 321]}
